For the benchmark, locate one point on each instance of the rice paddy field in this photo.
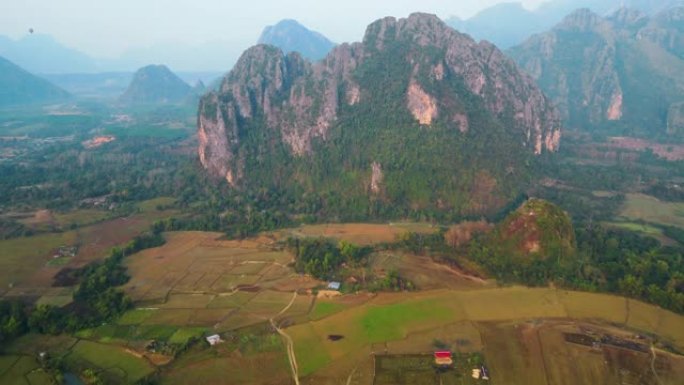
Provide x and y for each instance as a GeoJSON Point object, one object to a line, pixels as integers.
{"type": "Point", "coordinates": [493, 321]}
{"type": "Point", "coordinates": [28, 264]}
{"type": "Point", "coordinates": [272, 324]}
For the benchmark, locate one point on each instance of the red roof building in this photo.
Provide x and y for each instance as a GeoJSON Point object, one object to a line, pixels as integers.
{"type": "Point", "coordinates": [443, 358]}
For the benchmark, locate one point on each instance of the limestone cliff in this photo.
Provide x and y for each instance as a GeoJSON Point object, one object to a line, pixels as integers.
{"type": "Point", "coordinates": [408, 77]}
{"type": "Point", "coordinates": [623, 69]}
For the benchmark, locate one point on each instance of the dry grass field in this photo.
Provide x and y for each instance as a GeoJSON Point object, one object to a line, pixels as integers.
{"type": "Point", "coordinates": [359, 233]}
{"type": "Point", "coordinates": [198, 279]}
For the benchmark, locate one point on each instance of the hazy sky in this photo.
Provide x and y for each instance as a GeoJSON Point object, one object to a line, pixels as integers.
{"type": "Point", "coordinates": [107, 28]}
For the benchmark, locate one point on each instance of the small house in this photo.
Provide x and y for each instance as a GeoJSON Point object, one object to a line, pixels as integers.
{"type": "Point", "coordinates": [334, 285]}
{"type": "Point", "coordinates": [213, 340]}
{"type": "Point", "coordinates": [443, 358]}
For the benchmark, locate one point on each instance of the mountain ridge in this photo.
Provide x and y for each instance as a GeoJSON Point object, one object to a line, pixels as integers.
{"type": "Point", "coordinates": [618, 71]}
{"type": "Point", "coordinates": [18, 86]}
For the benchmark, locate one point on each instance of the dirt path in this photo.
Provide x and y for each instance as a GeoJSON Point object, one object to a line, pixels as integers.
{"type": "Point", "coordinates": [351, 375]}
{"type": "Point", "coordinates": [290, 345]}
{"type": "Point", "coordinates": [653, 359]}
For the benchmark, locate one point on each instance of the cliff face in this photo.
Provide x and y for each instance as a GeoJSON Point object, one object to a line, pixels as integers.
{"type": "Point", "coordinates": [616, 69]}
{"type": "Point", "coordinates": [413, 74]}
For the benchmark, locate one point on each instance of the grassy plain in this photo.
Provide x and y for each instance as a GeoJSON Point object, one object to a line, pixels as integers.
{"type": "Point", "coordinates": [20, 258]}
{"type": "Point", "coordinates": [650, 209]}
{"type": "Point", "coordinates": [111, 358]}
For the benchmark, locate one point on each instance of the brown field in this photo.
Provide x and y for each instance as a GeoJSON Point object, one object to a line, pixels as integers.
{"type": "Point", "coordinates": [25, 262]}
{"type": "Point", "coordinates": [198, 279]}
{"type": "Point", "coordinates": [425, 273]}
{"type": "Point", "coordinates": [359, 233]}
{"type": "Point", "coordinates": [670, 152]}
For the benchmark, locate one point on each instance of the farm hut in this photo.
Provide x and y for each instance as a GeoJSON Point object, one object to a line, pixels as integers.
{"type": "Point", "coordinates": [213, 340]}
{"type": "Point", "coordinates": [443, 358]}
{"type": "Point", "coordinates": [334, 285]}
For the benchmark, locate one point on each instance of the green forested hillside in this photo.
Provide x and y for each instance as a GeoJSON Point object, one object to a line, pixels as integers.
{"type": "Point", "coordinates": [20, 87]}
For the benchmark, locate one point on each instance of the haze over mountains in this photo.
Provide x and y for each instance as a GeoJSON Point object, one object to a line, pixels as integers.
{"type": "Point", "coordinates": [510, 23]}
{"type": "Point", "coordinates": [18, 86]}
{"type": "Point", "coordinates": [624, 70]}
{"type": "Point", "coordinates": [156, 84]}
{"type": "Point", "coordinates": [289, 36]}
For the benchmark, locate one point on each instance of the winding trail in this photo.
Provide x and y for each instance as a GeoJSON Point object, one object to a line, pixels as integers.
{"type": "Point", "coordinates": [351, 375]}
{"type": "Point", "coordinates": [290, 345]}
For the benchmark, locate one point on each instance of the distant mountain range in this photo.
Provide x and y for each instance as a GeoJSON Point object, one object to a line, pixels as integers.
{"type": "Point", "coordinates": [509, 24]}
{"type": "Point", "coordinates": [17, 86]}
{"type": "Point", "coordinates": [42, 54]}
{"type": "Point", "coordinates": [624, 71]}
{"type": "Point", "coordinates": [290, 36]}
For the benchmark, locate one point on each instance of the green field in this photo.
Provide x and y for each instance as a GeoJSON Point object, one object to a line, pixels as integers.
{"type": "Point", "coordinates": [395, 317]}
{"type": "Point", "coordinates": [80, 217]}
{"type": "Point", "coordinates": [110, 358]}
{"type": "Point", "coordinates": [22, 257]}
{"type": "Point", "coordinates": [651, 210]}
{"type": "Point", "coordinates": [21, 370]}
{"type": "Point", "coordinates": [324, 308]}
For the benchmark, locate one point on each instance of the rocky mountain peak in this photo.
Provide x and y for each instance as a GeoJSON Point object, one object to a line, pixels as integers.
{"type": "Point", "coordinates": [627, 17]}
{"type": "Point", "coordinates": [583, 20]}
{"type": "Point", "coordinates": [410, 74]}
{"type": "Point", "coordinates": [290, 36]}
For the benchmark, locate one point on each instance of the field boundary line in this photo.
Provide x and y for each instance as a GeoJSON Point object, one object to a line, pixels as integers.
{"type": "Point", "coordinates": [290, 344]}
{"type": "Point", "coordinates": [653, 360]}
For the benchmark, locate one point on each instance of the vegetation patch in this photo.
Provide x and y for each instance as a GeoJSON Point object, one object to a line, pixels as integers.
{"type": "Point", "coordinates": [391, 322]}
{"type": "Point", "coordinates": [102, 356]}
{"type": "Point", "coordinates": [324, 308]}
{"type": "Point", "coordinates": [135, 316]}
